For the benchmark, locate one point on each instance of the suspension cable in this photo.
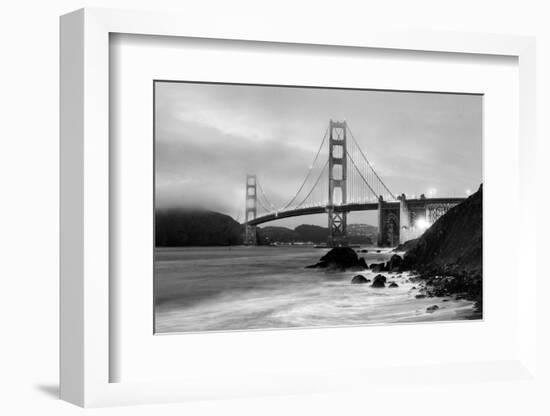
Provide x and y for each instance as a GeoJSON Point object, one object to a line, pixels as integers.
{"type": "Point", "coordinates": [360, 174]}
{"type": "Point", "coordinates": [262, 205]}
{"type": "Point", "coordinates": [368, 163]}
{"type": "Point", "coordinates": [308, 172]}
{"type": "Point", "coordinates": [313, 187]}
{"type": "Point", "coordinates": [265, 196]}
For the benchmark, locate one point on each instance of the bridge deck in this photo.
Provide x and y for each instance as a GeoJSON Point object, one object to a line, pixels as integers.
{"type": "Point", "coordinates": [369, 206]}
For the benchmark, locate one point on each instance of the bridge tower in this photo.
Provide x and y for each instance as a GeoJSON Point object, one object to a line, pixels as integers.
{"type": "Point", "coordinates": [388, 223]}
{"type": "Point", "coordinates": [337, 190]}
{"type": "Point", "coordinates": [250, 211]}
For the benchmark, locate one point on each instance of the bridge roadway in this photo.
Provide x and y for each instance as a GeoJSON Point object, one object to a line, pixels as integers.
{"type": "Point", "coordinates": [368, 206]}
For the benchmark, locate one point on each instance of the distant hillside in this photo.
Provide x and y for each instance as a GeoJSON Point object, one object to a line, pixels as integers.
{"type": "Point", "coordinates": [314, 233]}
{"type": "Point", "coordinates": [267, 235]}
{"type": "Point", "coordinates": [192, 227]}
{"type": "Point", "coordinates": [362, 233]}
{"type": "Point", "coordinates": [362, 230]}
{"type": "Point", "coordinates": [177, 227]}
{"type": "Point", "coordinates": [357, 234]}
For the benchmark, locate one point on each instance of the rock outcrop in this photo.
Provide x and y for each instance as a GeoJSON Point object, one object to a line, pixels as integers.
{"type": "Point", "coordinates": [379, 281]}
{"type": "Point", "coordinates": [453, 245]}
{"type": "Point", "coordinates": [341, 258]}
{"type": "Point", "coordinates": [359, 279]}
{"type": "Point", "coordinates": [378, 267]}
{"type": "Point", "coordinates": [395, 263]}
{"type": "Point", "coordinates": [448, 256]}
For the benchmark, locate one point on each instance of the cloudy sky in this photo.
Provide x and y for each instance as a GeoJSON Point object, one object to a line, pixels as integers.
{"type": "Point", "coordinates": [209, 136]}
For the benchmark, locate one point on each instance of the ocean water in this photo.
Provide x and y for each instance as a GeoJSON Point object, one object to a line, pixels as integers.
{"type": "Point", "coordinates": [239, 288]}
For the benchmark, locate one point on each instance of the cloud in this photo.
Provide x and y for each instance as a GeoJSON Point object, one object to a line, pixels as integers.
{"type": "Point", "coordinates": [209, 136]}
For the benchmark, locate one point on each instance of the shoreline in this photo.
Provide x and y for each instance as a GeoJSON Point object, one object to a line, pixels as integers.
{"type": "Point", "coordinates": [228, 288]}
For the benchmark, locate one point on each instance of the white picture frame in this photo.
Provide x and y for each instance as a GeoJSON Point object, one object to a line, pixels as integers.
{"type": "Point", "coordinates": [85, 203]}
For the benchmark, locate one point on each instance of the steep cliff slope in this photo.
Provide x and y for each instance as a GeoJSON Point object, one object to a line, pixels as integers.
{"type": "Point", "coordinates": [453, 245]}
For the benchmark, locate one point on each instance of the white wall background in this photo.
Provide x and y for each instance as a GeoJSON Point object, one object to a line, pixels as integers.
{"type": "Point", "coordinates": [29, 204]}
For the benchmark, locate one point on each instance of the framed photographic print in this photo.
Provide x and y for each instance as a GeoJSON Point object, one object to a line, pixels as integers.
{"type": "Point", "coordinates": [269, 212]}
{"type": "Point", "coordinates": [314, 235]}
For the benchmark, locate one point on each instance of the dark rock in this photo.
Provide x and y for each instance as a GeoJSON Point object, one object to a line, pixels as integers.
{"type": "Point", "coordinates": [381, 277]}
{"type": "Point", "coordinates": [378, 267]}
{"type": "Point", "coordinates": [431, 309]}
{"type": "Point", "coordinates": [340, 258]}
{"type": "Point", "coordinates": [359, 279]}
{"type": "Point", "coordinates": [362, 263]}
{"type": "Point", "coordinates": [343, 256]}
{"type": "Point", "coordinates": [379, 281]}
{"type": "Point", "coordinates": [413, 288]}
{"type": "Point", "coordinates": [406, 246]}
{"type": "Point", "coordinates": [395, 262]}
{"type": "Point", "coordinates": [420, 296]}
{"type": "Point", "coordinates": [393, 284]}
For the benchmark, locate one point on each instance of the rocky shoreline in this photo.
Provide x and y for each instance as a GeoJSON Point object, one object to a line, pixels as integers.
{"type": "Point", "coordinates": [448, 257]}
{"type": "Point", "coordinates": [445, 262]}
{"type": "Point", "coordinates": [394, 273]}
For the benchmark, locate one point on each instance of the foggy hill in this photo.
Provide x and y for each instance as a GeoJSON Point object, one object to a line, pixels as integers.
{"type": "Point", "coordinates": [192, 227]}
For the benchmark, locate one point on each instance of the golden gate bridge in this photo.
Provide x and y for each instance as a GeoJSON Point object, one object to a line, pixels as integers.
{"type": "Point", "coordinates": [343, 182]}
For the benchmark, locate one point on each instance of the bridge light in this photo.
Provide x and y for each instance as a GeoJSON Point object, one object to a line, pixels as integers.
{"type": "Point", "coordinates": [422, 224]}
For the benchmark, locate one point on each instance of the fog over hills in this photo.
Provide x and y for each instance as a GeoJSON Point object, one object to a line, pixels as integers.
{"type": "Point", "coordinates": [194, 227]}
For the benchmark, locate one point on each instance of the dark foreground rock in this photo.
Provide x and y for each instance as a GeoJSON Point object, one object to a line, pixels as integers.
{"type": "Point", "coordinates": [379, 281]}
{"type": "Point", "coordinates": [407, 245]}
{"type": "Point", "coordinates": [393, 284]}
{"type": "Point", "coordinates": [378, 267]}
{"type": "Point", "coordinates": [341, 258]}
{"type": "Point", "coordinates": [395, 263]}
{"type": "Point", "coordinates": [359, 279]}
{"type": "Point", "coordinates": [452, 247]}
{"type": "Point", "coordinates": [432, 309]}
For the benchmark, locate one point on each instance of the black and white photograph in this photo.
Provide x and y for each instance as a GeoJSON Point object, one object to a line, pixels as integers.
{"type": "Point", "coordinates": [295, 207]}
{"type": "Point", "coordinates": [275, 208]}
